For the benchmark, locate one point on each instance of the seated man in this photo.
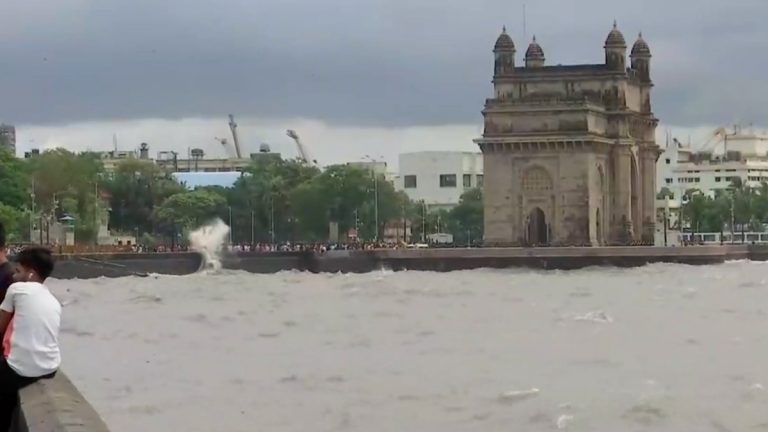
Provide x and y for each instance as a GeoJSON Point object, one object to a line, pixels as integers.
{"type": "Point", "coordinates": [29, 320]}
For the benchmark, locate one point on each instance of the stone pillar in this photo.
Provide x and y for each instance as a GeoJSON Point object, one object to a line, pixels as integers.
{"type": "Point", "coordinates": [648, 156]}
{"type": "Point", "coordinates": [622, 228]}
{"type": "Point", "coordinates": [497, 217]}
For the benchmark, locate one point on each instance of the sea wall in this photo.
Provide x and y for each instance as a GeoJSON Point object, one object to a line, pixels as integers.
{"type": "Point", "coordinates": [55, 405]}
{"type": "Point", "coordinates": [563, 258]}
{"type": "Point", "coordinates": [273, 262]}
{"type": "Point", "coordinates": [87, 266]}
{"type": "Point", "coordinates": [556, 258]}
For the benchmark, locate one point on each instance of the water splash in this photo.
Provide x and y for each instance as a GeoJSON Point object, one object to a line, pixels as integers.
{"type": "Point", "coordinates": [518, 395]}
{"type": "Point", "coordinates": [209, 241]}
{"type": "Point", "coordinates": [563, 421]}
{"type": "Point", "coordinates": [595, 316]}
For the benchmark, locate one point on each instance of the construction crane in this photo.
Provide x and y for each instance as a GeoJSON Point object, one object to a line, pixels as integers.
{"type": "Point", "coordinates": [303, 154]}
{"type": "Point", "coordinates": [233, 128]}
{"type": "Point", "coordinates": [719, 133]}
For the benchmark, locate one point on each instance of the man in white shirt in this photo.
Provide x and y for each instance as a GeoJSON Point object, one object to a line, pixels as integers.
{"type": "Point", "coordinates": [29, 322]}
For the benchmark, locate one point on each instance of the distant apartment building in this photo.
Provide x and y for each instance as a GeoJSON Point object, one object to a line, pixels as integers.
{"type": "Point", "coordinates": [169, 161]}
{"type": "Point", "coordinates": [379, 168]}
{"type": "Point", "coordinates": [8, 138]}
{"type": "Point", "coordinates": [439, 178]}
{"type": "Point", "coordinates": [741, 153]}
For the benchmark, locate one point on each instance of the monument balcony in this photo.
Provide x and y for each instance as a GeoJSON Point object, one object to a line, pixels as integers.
{"type": "Point", "coordinates": [558, 128]}
{"type": "Point", "coordinates": [541, 102]}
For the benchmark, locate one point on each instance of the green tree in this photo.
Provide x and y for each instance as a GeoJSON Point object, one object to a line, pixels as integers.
{"type": "Point", "coordinates": [351, 197]}
{"type": "Point", "coordinates": [467, 217]}
{"type": "Point", "coordinates": [261, 199]}
{"type": "Point", "coordinates": [717, 214]}
{"type": "Point", "coordinates": [695, 205]}
{"type": "Point", "coordinates": [135, 189]}
{"type": "Point", "coordinates": [760, 204]}
{"type": "Point", "coordinates": [743, 212]}
{"type": "Point", "coordinates": [335, 195]}
{"type": "Point", "coordinates": [665, 193]}
{"type": "Point", "coordinates": [14, 181]}
{"type": "Point", "coordinates": [66, 183]}
{"type": "Point", "coordinates": [188, 210]}
{"type": "Point", "coordinates": [13, 220]}
{"type": "Point", "coordinates": [394, 207]}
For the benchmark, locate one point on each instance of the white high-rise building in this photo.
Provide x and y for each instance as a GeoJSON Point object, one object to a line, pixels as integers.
{"type": "Point", "coordinates": [710, 167]}
{"type": "Point", "coordinates": [439, 178]}
{"type": "Point", "coordinates": [741, 153]}
{"type": "Point", "coordinates": [8, 138]}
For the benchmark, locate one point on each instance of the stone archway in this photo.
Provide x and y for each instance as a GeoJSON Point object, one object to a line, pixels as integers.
{"type": "Point", "coordinates": [536, 185]}
{"type": "Point", "coordinates": [538, 232]}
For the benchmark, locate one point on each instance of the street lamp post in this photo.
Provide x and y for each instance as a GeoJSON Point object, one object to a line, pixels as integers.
{"type": "Point", "coordinates": [666, 219]}
{"type": "Point", "coordinates": [423, 221]}
{"type": "Point", "coordinates": [272, 217]}
{"type": "Point", "coordinates": [405, 226]}
{"type": "Point", "coordinates": [32, 213]}
{"type": "Point", "coordinates": [733, 217]}
{"type": "Point", "coordinates": [252, 230]}
{"type": "Point", "coordinates": [96, 219]}
{"type": "Point", "coordinates": [375, 194]}
{"type": "Point", "coordinates": [230, 225]}
{"type": "Point", "coordinates": [376, 204]}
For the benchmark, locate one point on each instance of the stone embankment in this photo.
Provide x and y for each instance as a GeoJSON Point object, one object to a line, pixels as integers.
{"type": "Point", "coordinates": [563, 258]}
{"type": "Point", "coordinates": [55, 405]}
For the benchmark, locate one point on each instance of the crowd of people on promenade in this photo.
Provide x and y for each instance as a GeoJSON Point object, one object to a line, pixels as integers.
{"type": "Point", "coordinates": [240, 247]}
{"type": "Point", "coordinates": [319, 247]}
{"type": "Point", "coordinates": [314, 246]}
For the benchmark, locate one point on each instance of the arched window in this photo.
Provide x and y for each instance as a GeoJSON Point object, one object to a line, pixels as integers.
{"type": "Point", "coordinates": [536, 179]}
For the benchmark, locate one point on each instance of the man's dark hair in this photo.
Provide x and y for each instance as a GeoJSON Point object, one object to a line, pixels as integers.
{"type": "Point", "coordinates": [37, 258]}
{"type": "Point", "coordinates": [2, 235]}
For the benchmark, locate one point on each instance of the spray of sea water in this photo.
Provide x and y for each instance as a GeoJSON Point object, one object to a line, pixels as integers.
{"type": "Point", "coordinates": [208, 240]}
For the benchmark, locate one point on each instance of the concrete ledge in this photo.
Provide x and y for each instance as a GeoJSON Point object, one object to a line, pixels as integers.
{"type": "Point", "coordinates": [55, 405]}
{"type": "Point", "coordinates": [360, 261]}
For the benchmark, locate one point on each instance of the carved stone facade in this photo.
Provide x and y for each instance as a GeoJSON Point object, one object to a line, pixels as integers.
{"type": "Point", "coordinates": [569, 152]}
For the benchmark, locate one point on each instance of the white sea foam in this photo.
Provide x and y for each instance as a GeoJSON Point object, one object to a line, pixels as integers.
{"type": "Point", "coordinates": [563, 421]}
{"type": "Point", "coordinates": [517, 395]}
{"type": "Point", "coordinates": [595, 316]}
{"type": "Point", "coordinates": [209, 240]}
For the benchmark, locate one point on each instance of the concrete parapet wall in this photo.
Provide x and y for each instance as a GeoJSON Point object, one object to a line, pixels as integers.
{"type": "Point", "coordinates": [543, 258]}
{"type": "Point", "coordinates": [85, 266]}
{"type": "Point", "coordinates": [354, 261]}
{"type": "Point", "coordinates": [55, 405]}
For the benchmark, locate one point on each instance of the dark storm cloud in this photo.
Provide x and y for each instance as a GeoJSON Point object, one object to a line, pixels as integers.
{"type": "Point", "coordinates": [355, 62]}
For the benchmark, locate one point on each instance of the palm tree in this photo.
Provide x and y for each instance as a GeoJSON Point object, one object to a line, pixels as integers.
{"type": "Point", "coordinates": [665, 193]}
{"type": "Point", "coordinates": [694, 209]}
{"type": "Point", "coordinates": [742, 204]}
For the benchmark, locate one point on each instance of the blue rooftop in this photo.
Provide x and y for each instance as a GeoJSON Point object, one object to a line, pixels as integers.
{"type": "Point", "coordinates": [197, 179]}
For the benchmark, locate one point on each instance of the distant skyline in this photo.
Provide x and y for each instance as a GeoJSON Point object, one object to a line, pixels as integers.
{"type": "Point", "coordinates": [354, 74]}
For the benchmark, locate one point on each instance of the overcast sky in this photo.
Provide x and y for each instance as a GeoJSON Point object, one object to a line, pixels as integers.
{"type": "Point", "coordinates": [354, 77]}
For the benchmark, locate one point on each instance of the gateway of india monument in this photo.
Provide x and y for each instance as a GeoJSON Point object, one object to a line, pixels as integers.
{"type": "Point", "coordinates": [569, 152]}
